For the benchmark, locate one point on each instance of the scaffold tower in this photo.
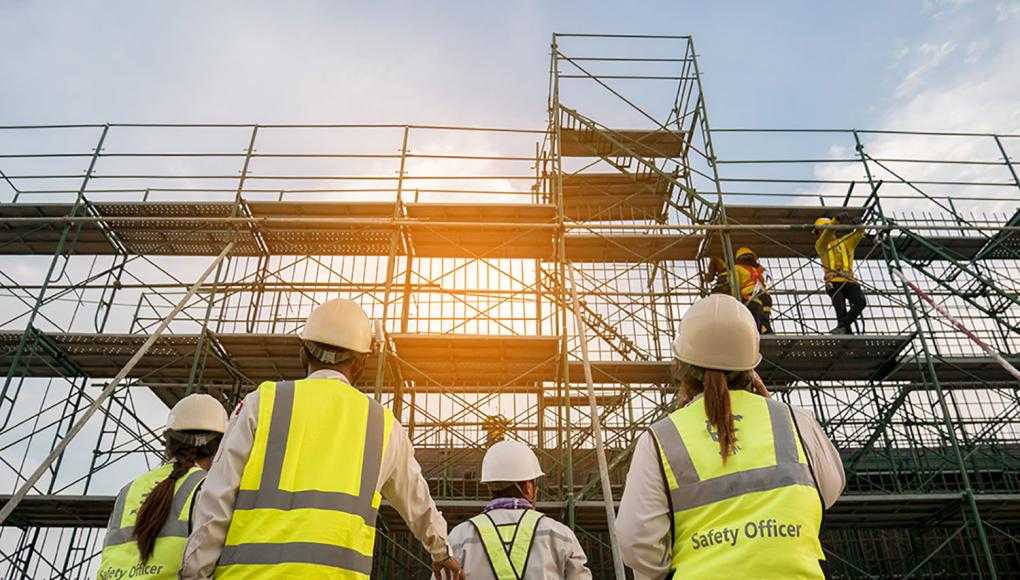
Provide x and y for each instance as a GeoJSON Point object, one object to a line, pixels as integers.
{"type": "Point", "coordinates": [525, 284]}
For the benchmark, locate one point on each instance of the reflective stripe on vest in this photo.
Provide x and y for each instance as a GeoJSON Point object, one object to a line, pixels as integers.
{"type": "Point", "coordinates": [308, 494]}
{"type": "Point", "coordinates": [729, 518]}
{"type": "Point", "coordinates": [507, 546]}
{"type": "Point", "coordinates": [120, 557]}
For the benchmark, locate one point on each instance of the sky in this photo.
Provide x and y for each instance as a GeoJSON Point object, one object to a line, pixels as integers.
{"type": "Point", "coordinates": [936, 64]}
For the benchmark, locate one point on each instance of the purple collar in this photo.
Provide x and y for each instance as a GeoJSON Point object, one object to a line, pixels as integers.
{"type": "Point", "coordinates": [508, 503]}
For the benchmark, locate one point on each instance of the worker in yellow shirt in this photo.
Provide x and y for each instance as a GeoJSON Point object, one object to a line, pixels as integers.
{"type": "Point", "coordinates": [753, 288]}
{"type": "Point", "coordinates": [836, 250]}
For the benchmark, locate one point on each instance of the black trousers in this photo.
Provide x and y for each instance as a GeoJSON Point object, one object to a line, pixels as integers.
{"type": "Point", "coordinates": [761, 309]}
{"type": "Point", "coordinates": [842, 293]}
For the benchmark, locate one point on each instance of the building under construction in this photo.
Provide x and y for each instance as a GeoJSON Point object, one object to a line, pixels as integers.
{"type": "Point", "coordinates": [527, 284]}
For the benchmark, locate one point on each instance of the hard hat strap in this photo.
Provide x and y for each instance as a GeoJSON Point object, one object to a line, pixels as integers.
{"type": "Point", "coordinates": [328, 355]}
{"type": "Point", "coordinates": [193, 438]}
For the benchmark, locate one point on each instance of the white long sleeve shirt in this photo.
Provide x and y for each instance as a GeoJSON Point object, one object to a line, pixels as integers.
{"type": "Point", "coordinates": [555, 554]}
{"type": "Point", "coordinates": [400, 482]}
{"type": "Point", "coordinates": [642, 524]}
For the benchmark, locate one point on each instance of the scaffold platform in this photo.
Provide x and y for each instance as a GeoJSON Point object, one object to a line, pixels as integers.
{"type": "Point", "coordinates": [645, 143]}
{"type": "Point", "coordinates": [589, 197]}
{"type": "Point", "coordinates": [437, 360]}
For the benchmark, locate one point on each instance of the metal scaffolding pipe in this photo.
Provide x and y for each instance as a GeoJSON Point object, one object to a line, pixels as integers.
{"type": "Point", "coordinates": [58, 449]}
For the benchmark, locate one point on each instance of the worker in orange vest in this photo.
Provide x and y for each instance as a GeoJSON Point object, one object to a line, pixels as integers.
{"type": "Point", "coordinates": [754, 294]}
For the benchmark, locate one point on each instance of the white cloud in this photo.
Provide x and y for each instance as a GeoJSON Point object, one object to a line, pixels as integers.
{"type": "Point", "coordinates": [929, 57]}
{"type": "Point", "coordinates": [1006, 10]}
{"type": "Point", "coordinates": [971, 89]}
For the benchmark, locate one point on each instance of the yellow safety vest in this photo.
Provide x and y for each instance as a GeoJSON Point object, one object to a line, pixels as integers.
{"type": "Point", "coordinates": [308, 499]}
{"type": "Point", "coordinates": [837, 254]}
{"type": "Point", "coordinates": [507, 546]}
{"type": "Point", "coordinates": [751, 280]}
{"type": "Point", "coordinates": [756, 516]}
{"type": "Point", "coordinates": [120, 558]}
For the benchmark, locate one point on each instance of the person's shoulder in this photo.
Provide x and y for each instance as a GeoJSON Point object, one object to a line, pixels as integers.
{"type": "Point", "coordinates": [557, 528]}
{"type": "Point", "coordinates": [460, 532]}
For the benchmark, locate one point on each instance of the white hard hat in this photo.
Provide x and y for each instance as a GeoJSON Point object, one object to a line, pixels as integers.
{"type": "Point", "coordinates": [339, 323]}
{"type": "Point", "coordinates": [510, 461]}
{"type": "Point", "coordinates": [198, 412]}
{"type": "Point", "coordinates": [718, 332]}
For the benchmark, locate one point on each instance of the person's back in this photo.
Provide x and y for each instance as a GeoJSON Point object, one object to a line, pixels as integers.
{"type": "Point", "coordinates": [836, 249]}
{"type": "Point", "coordinates": [151, 517]}
{"type": "Point", "coordinates": [121, 556]}
{"type": "Point", "coordinates": [551, 550]}
{"type": "Point", "coordinates": [296, 487]}
{"type": "Point", "coordinates": [734, 517]}
{"type": "Point", "coordinates": [310, 482]}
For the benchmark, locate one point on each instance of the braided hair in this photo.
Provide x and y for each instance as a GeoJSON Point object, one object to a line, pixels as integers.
{"type": "Point", "coordinates": [185, 449]}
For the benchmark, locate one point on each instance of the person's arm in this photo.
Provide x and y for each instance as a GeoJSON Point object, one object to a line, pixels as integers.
{"type": "Point", "coordinates": [575, 564]}
{"type": "Point", "coordinates": [642, 524]}
{"type": "Point", "coordinates": [214, 505]}
{"type": "Point", "coordinates": [408, 492]}
{"type": "Point", "coordinates": [822, 243]}
{"type": "Point", "coordinates": [825, 460]}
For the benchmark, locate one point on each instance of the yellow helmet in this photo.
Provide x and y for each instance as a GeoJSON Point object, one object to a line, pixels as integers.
{"type": "Point", "coordinates": [744, 251]}
{"type": "Point", "coordinates": [824, 221]}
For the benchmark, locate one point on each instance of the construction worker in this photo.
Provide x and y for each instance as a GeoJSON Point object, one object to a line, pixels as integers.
{"type": "Point", "coordinates": [510, 540]}
{"type": "Point", "coordinates": [753, 290]}
{"type": "Point", "coordinates": [732, 484]}
{"type": "Point", "coordinates": [296, 486]}
{"type": "Point", "coordinates": [836, 250]}
{"type": "Point", "coordinates": [151, 518]}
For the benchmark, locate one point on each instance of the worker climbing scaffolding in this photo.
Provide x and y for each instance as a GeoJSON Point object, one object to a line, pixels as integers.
{"type": "Point", "coordinates": [836, 250]}
{"type": "Point", "coordinates": [752, 282]}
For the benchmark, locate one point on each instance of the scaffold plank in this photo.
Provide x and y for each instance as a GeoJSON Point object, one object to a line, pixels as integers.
{"type": "Point", "coordinates": [158, 235]}
{"type": "Point", "coordinates": [21, 239]}
{"type": "Point", "coordinates": [613, 196]}
{"type": "Point", "coordinates": [438, 241]}
{"type": "Point", "coordinates": [476, 360]}
{"type": "Point", "coordinates": [336, 239]}
{"type": "Point", "coordinates": [785, 359]}
{"type": "Point", "coordinates": [644, 143]}
{"type": "Point", "coordinates": [630, 247]}
{"type": "Point", "coordinates": [954, 369]}
{"type": "Point", "coordinates": [781, 243]}
{"type": "Point", "coordinates": [788, 358]}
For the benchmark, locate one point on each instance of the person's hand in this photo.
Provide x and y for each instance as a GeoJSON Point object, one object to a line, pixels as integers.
{"type": "Point", "coordinates": [448, 569]}
{"type": "Point", "coordinates": [843, 218]}
{"type": "Point", "coordinates": [758, 385]}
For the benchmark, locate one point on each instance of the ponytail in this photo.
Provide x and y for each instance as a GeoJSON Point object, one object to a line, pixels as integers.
{"type": "Point", "coordinates": [155, 510]}
{"type": "Point", "coordinates": [719, 412]}
{"type": "Point", "coordinates": [716, 386]}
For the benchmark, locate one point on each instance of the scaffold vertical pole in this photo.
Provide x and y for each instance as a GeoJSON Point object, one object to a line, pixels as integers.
{"type": "Point", "coordinates": [596, 428]}
{"type": "Point", "coordinates": [968, 490]}
{"type": "Point", "coordinates": [58, 449]}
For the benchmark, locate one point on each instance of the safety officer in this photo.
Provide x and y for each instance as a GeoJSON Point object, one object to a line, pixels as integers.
{"type": "Point", "coordinates": [295, 489]}
{"type": "Point", "coordinates": [510, 540]}
{"type": "Point", "coordinates": [753, 288]}
{"type": "Point", "coordinates": [836, 251]}
{"type": "Point", "coordinates": [151, 517]}
{"type": "Point", "coordinates": [733, 484]}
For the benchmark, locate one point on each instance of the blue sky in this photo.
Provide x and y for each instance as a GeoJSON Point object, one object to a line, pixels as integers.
{"type": "Point", "coordinates": [802, 64]}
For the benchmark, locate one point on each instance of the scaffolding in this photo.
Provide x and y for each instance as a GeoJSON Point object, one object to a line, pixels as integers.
{"type": "Point", "coordinates": [527, 284]}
